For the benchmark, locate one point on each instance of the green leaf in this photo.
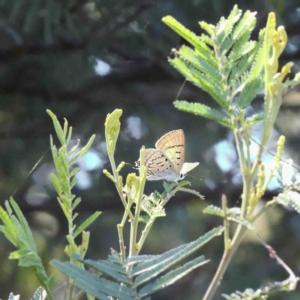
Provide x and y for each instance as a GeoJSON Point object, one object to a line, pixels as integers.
{"type": "Point", "coordinates": [203, 64]}
{"type": "Point", "coordinates": [253, 120]}
{"type": "Point", "coordinates": [92, 284]}
{"type": "Point", "coordinates": [168, 186]}
{"type": "Point", "coordinates": [112, 129]}
{"type": "Point", "coordinates": [172, 276]}
{"type": "Point", "coordinates": [188, 35]}
{"type": "Point", "coordinates": [210, 29]}
{"type": "Point", "coordinates": [190, 191]}
{"type": "Point", "coordinates": [20, 253]}
{"type": "Point", "coordinates": [183, 183]}
{"type": "Point", "coordinates": [204, 111]}
{"type": "Point", "coordinates": [24, 224]}
{"type": "Point", "coordinates": [74, 171]}
{"type": "Point", "coordinates": [232, 215]}
{"type": "Point", "coordinates": [241, 221]}
{"type": "Point", "coordinates": [57, 127]}
{"type": "Point", "coordinates": [56, 184]}
{"type": "Point", "coordinates": [248, 91]}
{"type": "Point", "coordinates": [24, 242]}
{"type": "Point", "coordinates": [8, 228]}
{"type": "Point", "coordinates": [87, 223]}
{"type": "Point", "coordinates": [232, 19]}
{"type": "Point", "coordinates": [243, 52]}
{"type": "Point", "coordinates": [76, 202]}
{"type": "Point", "coordinates": [201, 80]}
{"type": "Point", "coordinates": [83, 150]}
{"type": "Point", "coordinates": [159, 264]}
{"type": "Point", "coordinates": [115, 272]}
{"type": "Point", "coordinates": [291, 198]}
{"type": "Point", "coordinates": [213, 210]}
{"type": "Point", "coordinates": [257, 66]}
{"type": "Point", "coordinates": [245, 25]}
{"type": "Point", "coordinates": [265, 291]}
{"type": "Point", "coordinates": [140, 258]}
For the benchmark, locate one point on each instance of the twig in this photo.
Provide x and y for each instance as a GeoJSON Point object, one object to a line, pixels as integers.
{"type": "Point", "coordinates": [294, 279]}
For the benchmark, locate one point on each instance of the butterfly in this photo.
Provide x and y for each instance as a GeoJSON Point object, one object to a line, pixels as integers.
{"type": "Point", "coordinates": [166, 162]}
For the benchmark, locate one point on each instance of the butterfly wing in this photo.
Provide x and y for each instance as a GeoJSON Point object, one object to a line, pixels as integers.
{"type": "Point", "coordinates": [187, 167]}
{"type": "Point", "coordinates": [159, 166]}
{"type": "Point", "coordinates": [172, 145]}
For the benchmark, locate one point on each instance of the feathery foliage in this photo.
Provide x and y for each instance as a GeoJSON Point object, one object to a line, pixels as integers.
{"type": "Point", "coordinates": [230, 70]}
{"type": "Point", "coordinates": [233, 69]}
{"type": "Point", "coordinates": [262, 293]}
{"type": "Point", "coordinates": [145, 276]}
{"type": "Point", "coordinates": [17, 231]}
{"type": "Point", "coordinates": [132, 193]}
{"type": "Point", "coordinates": [233, 214]}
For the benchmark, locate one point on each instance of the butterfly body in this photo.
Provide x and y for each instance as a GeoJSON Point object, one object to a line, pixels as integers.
{"type": "Point", "coordinates": [166, 162]}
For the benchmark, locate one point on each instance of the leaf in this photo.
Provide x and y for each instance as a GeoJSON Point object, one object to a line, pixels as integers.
{"type": "Point", "coordinates": [139, 259]}
{"type": "Point", "coordinates": [56, 184]}
{"type": "Point", "coordinates": [213, 210]}
{"type": "Point", "coordinates": [57, 127]}
{"type": "Point", "coordinates": [110, 269]}
{"type": "Point", "coordinates": [291, 198]}
{"type": "Point", "coordinates": [183, 183]}
{"type": "Point", "coordinates": [152, 207]}
{"type": "Point", "coordinates": [204, 111]}
{"type": "Point", "coordinates": [241, 221]}
{"type": "Point", "coordinates": [193, 192]}
{"type": "Point", "coordinates": [201, 80]}
{"type": "Point", "coordinates": [200, 62]}
{"type": "Point", "coordinates": [159, 264]}
{"type": "Point", "coordinates": [24, 224]}
{"type": "Point", "coordinates": [232, 19]}
{"type": "Point", "coordinates": [24, 242]}
{"type": "Point", "coordinates": [168, 186]}
{"type": "Point", "coordinates": [87, 223]}
{"type": "Point", "coordinates": [188, 35]}
{"type": "Point", "coordinates": [92, 284]}
{"type": "Point", "coordinates": [172, 276]}
{"type": "Point", "coordinates": [8, 229]}
{"type": "Point", "coordinates": [112, 129]}
{"type": "Point", "coordinates": [83, 150]}
{"type": "Point", "coordinates": [265, 291]}
{"type": "Point", "coordinates": [248, 91]}
{"type": "Point", "coordinates": [232, 215]}
{"type": "Point", "coordinates": [253, 120]}
{"type": "Point", "coordinates": [18, 254]}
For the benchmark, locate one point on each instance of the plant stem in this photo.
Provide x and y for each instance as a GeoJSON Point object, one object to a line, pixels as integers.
{"type": "Point", "coordinates": [135, 221]}
{"type": "Point", "coordinates": [226, 259]}
{"type": "Point", "coordinates": [119, 189]}
{"type": "Point", "coordinates": [121, 242]}
{"type": "Point", "coordinates": [145, 233]}
{"type": "Point", "coordinates": [226, 224]}
{"type": "Point", "coordinates": [229, 251]}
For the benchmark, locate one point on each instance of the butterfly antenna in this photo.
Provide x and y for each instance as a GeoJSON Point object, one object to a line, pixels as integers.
{"type": "Point", "coordinates": [130, 165]}
{"type": "Point", "coordinates": [30, 172]}
{"type": "Point", "coordinates": [194, 177]}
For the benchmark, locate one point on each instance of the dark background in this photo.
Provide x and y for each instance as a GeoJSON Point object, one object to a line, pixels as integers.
{"type": "Point", "coordinates": [83, 59]}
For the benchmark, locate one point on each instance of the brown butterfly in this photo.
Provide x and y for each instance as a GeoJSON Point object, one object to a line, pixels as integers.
{"type": "Point", "coordinates": [166, 162]}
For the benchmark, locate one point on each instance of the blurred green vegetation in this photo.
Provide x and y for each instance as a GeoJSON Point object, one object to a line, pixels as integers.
{"type": "Point", "coordinates": [82, 59]}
